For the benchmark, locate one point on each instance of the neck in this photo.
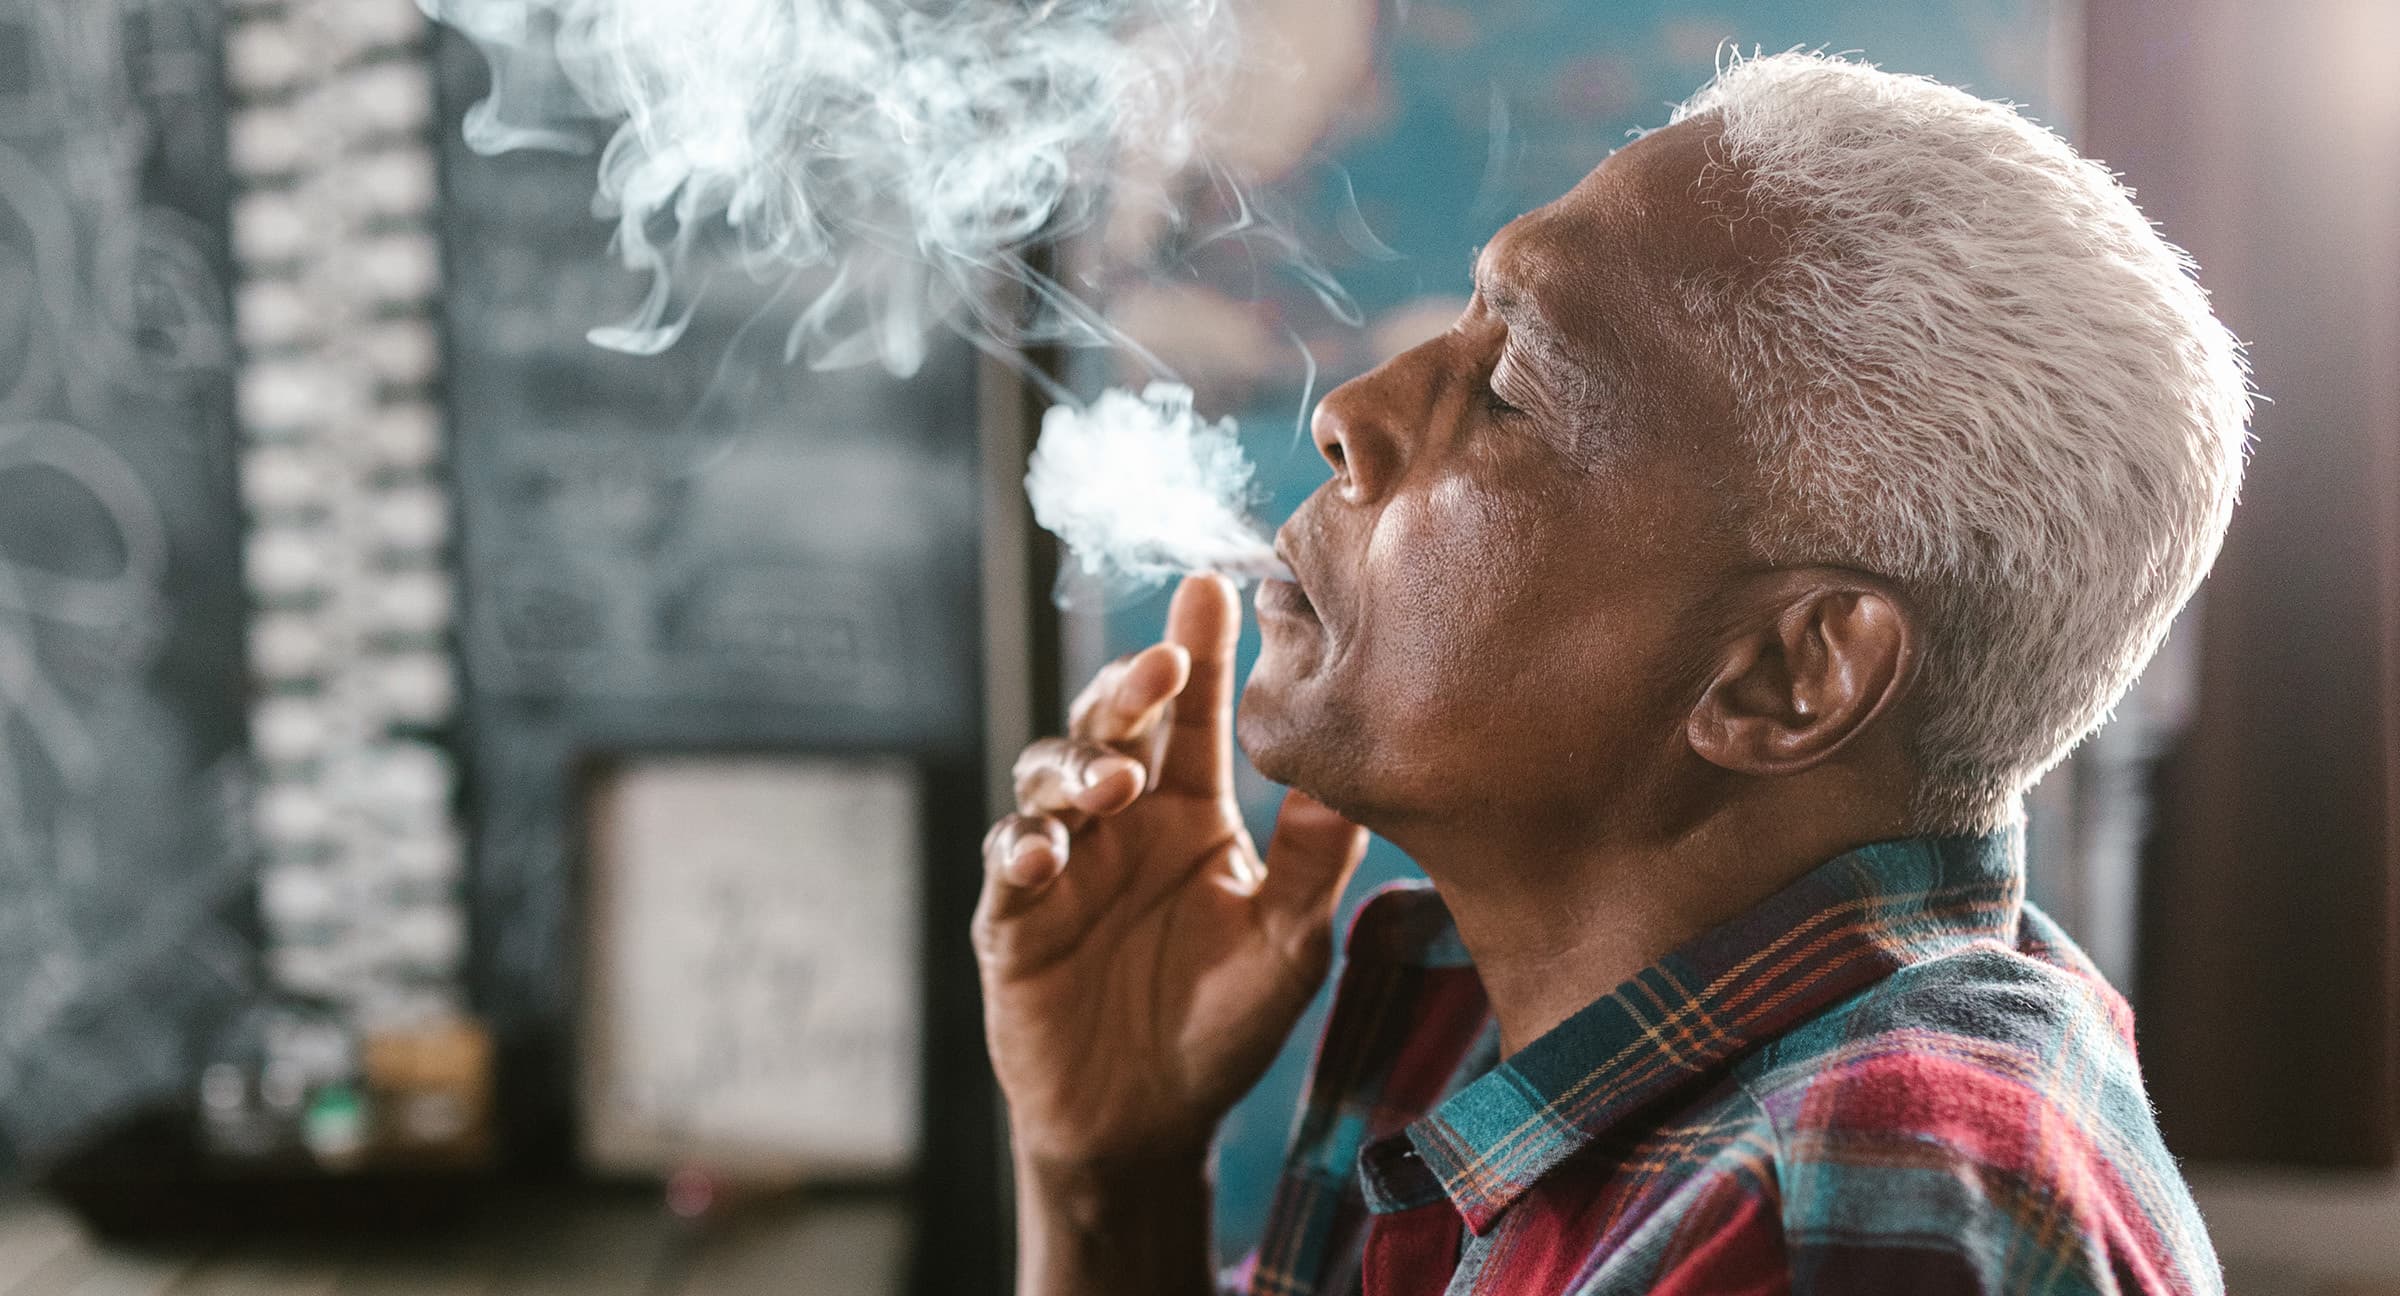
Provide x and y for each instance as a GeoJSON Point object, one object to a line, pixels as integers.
{"type": "Point", "coordinates": [1556, 917]}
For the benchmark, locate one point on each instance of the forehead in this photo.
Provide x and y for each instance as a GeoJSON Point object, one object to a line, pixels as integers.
{"type": "Point", "coordinates": [1639, 221]}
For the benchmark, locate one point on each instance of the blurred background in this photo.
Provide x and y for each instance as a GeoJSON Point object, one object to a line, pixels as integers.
{"type": "Point", "coordinates": [482, 813]}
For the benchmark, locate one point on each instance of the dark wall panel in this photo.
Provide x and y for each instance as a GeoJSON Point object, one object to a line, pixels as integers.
{"type": "Point", "coordinates": [123, 874]}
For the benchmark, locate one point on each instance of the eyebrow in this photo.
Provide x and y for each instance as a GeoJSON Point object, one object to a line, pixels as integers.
{"type": "Point", "coordinates": [1506, 300]}
{"type": "Point", "coordinates": [1522, 312]}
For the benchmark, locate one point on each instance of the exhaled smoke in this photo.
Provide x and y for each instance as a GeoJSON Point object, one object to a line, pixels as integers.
{"type": "Point", "coordinates": [1142, 489]}
{"type": "Point", "coordinates": [897, 157]}
{"type": "Point", "coordinates": [906, 149]}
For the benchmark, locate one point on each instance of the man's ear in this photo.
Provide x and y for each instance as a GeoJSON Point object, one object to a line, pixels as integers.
{"type": "Point", "coordinates": [1826, 652]}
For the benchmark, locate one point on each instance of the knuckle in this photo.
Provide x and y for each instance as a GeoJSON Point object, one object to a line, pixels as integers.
{"type": "Point", "coordinates": [1002, 839]}
{"type": "Point", "coordinates": [1097, 711]}
{"type": "Point", "coordinates": [1104, 681]}
{"type": "Point", "coordinates": [1037, 764]}
{"type": "Point", "coordinates": [1076, 764]}
{"type": "Point", "coordinates": [1079, 714]}
{"type": "Point", "coordinates": [1035, 755]}
{"type": "Point", "coordinates": [990, 939]}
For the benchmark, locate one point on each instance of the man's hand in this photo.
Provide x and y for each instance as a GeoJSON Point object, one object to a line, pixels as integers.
{"type": "Point", "coordinates": [1141, 964]}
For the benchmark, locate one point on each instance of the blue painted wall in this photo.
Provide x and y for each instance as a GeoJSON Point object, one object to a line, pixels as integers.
{"type": "Point", "coordinates": [1433, 180]}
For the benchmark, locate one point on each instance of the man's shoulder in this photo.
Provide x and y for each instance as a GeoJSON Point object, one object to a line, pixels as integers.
{"type": "Point", "coordinates": [1976, 1107]}
{"type": "Point", "coordinates": [1980, 1043]}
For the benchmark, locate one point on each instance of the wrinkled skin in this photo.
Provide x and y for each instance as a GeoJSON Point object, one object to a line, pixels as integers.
{"type": "Point", "coordinates": [1527, 518]}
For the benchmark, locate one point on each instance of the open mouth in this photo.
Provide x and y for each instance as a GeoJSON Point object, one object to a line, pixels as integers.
{"type": "Point", "coordinates": [1282, 599]}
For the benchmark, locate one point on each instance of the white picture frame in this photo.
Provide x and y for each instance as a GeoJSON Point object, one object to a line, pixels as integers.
{"type": "Point", "coordinates": [753, 987]}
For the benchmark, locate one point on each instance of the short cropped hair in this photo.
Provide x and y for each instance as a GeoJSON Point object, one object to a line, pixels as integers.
{"type": "Point", "coordinates": [1972, 367]}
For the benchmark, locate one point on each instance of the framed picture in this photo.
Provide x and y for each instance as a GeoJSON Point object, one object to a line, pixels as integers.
{"type": "Point", "coordinates": [754, 967]}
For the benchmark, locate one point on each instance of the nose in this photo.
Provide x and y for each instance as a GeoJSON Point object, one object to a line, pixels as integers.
{"type": "Point", "coordinates": [1355, 431]}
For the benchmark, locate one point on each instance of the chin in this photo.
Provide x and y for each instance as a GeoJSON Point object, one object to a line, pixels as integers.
{"type": "Point", "coordinates": [1294, 740]}
{"type": "Point", "coordinates": [1263, 726]}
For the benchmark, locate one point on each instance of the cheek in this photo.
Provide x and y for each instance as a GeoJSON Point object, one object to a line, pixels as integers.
{"type": "Point", "coordinates": [1454, 592]}
{"type": "Point", "coordinates": [1503, 617]}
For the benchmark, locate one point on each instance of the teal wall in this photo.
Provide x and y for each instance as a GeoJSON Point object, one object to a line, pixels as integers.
{"type": "Point", "coordinates": [1433, 180]}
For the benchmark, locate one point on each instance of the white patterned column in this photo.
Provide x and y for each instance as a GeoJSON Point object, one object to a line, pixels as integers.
{"type": "Point", "coordinates": [349, 524]}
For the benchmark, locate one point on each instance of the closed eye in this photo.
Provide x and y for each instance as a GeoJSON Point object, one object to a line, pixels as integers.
{"type": "Point", "coordinates": [1503, 365]}
{"type": "Point", "coordinates": [1494, 402]}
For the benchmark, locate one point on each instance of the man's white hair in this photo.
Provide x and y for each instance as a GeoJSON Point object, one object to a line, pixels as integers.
{"type": "Point", "coordinates": [1974, 368]}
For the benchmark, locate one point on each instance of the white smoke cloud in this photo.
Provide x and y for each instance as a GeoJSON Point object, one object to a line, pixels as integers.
{"type": "Point", "coordinates": [907, 149]}
{"type": "Point", "coordinates": [1141, 489]}
{"type": "Point", "coordinates": [893, 159]}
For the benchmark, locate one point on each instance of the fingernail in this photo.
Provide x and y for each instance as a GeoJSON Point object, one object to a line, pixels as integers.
{"type": "Point", "coordinates": [1029, 862]}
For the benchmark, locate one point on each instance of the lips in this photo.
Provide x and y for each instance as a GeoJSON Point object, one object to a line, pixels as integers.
{"type": "Point", "coordinates": [1284, 599]}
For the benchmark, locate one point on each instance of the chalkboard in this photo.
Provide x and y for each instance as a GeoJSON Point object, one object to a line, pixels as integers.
{"type": "Point", "coordinates": [707, 549]}
{"type": "Point", "coordinates": [126, 933]}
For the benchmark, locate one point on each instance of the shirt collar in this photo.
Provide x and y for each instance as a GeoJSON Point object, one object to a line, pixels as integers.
{"type": "Point", "coordinates": [1843, 926]}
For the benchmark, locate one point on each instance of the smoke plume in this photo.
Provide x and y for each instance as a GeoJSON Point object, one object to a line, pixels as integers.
{"type": "Point", "coordinates": [1141, 489]}
{"type": "Point", "coordinates": [907, 150]}
{"type": "Point", "coordinates": [893, 159]}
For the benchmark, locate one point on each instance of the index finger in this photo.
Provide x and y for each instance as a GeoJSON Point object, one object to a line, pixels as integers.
{"type": "Point", "coordinates": [1206, 619]}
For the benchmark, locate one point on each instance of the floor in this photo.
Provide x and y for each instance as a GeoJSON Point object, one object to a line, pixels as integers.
{"type": "Point", "coordinates": [590, 1245]}
{"type": "Point", "coordinates": [587, 1246]}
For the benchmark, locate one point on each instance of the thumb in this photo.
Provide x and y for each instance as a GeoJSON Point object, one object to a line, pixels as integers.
{"type": "Point", "coordinates": [1310, 858]}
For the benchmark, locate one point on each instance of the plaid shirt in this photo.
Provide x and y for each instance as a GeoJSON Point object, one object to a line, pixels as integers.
{"type": "Point", "coordinates": [1892, 1076]}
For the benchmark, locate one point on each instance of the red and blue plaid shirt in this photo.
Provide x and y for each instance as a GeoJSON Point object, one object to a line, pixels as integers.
{"type": "Point", "coordinates": [1892, 1076]}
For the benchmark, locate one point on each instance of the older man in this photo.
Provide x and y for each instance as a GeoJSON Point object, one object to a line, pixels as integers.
{"type": "Point", "coordinates": [1791, 495]}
